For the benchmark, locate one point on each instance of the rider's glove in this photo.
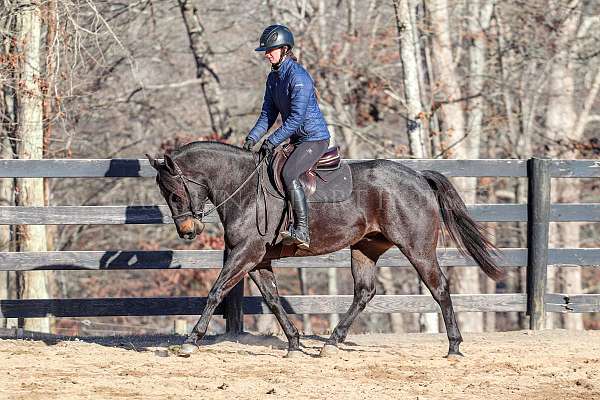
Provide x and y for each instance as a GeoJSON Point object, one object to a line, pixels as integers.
{"type": "Point", "coordinates": [267, 148]}
{"type": "Point", "coordinates": [249, 144]}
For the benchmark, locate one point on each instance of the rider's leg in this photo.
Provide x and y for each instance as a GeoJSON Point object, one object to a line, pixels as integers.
{"type": "Point", "coordinates": [304, 156]}
{"type": "Point", "coordinates": [298, 233]}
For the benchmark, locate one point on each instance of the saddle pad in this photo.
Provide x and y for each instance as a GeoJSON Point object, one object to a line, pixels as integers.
{"type": "Point", "coordinates": [332, 186]}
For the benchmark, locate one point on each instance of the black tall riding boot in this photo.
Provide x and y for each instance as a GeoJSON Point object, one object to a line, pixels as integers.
{"type": "Point", "coordinates": [298, 234]}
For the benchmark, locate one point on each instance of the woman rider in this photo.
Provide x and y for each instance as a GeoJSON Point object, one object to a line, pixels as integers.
{"type": "Point", "coordinates": [290, 92]}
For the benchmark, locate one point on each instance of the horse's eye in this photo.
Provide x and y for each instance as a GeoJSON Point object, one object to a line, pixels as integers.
{"type": "Point", "coordinates": [175, 198]}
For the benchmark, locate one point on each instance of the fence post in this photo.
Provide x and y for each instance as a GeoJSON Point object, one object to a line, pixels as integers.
{"type": "Point", "coordinates": [538, 224]}
{"type": "Point", "coordinates": [233, 306]}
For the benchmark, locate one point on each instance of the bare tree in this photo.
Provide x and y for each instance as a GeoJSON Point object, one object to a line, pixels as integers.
{"type": "Point", "coordinates": [478, 24]}
{"type": "Point", "coordinates": [463, 144]}
{"type": "Point", "coordinates": [417, 133]}
{"type": "Point", "coordinates": [561, 120]}
{"type": "Point", "coordinates": [31, 135]}
{"type": "Point", "coordinates": [7, 129]}
{"type": "Point", "coordinates": [206, 70]}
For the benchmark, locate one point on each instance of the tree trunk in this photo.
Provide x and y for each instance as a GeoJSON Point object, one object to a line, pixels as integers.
{"type": "Point", "coordinates": [561, 121]}
{"type": "Point", "coordinates": [410, 78]}
{"type": "Point", "coordinates": [7, 187]}
{"type": "Point", "coordinates": [409, 59]}
{"type": "Point", "coordinates": [218, 112]}
{"type": "Point", "coordinates": [48, 115]}
{"type": "Point", "coordinates": [303, 278]}
{"type": "Point", "coordinates": [463, 279]}
{"type": "Point", "coordinates": [31, 135]}
{"type": "Point", "coordinates": [480, 16]}
{"type": "Point", "coordinates": [6, 199]}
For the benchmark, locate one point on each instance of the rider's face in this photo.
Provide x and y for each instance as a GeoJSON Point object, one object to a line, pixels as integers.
{"type": "Point", "coordinates": [273, 55]}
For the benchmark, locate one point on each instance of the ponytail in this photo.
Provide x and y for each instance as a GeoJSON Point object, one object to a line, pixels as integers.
{"type": "Point", "coordinates": [290, 54]}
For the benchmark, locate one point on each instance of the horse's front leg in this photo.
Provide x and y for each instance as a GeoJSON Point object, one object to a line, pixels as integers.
{"type": "Point", "coordinates": [265, 280]}
{"type": "Point", "coordinates": [239, 261]}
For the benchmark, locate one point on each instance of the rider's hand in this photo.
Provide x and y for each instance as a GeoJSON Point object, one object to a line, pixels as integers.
{"type": "Point", "coordinates": [249, 144]}
{"type": "Point", "coordinates": [267, 148]}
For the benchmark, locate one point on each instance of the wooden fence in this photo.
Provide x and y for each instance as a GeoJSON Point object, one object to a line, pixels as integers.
{"type": "Point", "coordinates": [538, 212]}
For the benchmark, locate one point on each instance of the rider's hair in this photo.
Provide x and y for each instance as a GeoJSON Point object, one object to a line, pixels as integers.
{"type": "Point", "coordinates": [290, 54]}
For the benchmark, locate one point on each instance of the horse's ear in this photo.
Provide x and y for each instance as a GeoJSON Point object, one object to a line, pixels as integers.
{"type": "Point", "coordinates": [170, 164]}
{"type": "Point", "coordinates": [153, 162]}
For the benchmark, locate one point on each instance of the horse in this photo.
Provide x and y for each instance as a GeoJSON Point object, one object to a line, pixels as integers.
{"type": "Point", "coordinates": [390, 205]}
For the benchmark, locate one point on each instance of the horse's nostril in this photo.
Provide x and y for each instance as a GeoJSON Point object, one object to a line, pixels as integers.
{"type": "Point", "coordinates": [189, 236]}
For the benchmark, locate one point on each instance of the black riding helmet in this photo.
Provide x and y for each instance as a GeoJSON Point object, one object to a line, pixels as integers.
{"type": "Point", "coordinates": [275, 36]}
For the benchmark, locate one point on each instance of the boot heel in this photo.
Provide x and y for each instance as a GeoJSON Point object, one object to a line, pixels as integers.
{"type": "Point", "coordinates": [303, 245]}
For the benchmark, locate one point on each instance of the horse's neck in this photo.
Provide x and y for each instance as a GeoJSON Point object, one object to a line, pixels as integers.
{"type": "Point", "coordinates": [224, 173]}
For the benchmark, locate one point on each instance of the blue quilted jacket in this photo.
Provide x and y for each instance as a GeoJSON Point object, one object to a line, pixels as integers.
{"type": "Point", "coordinates": [290, 92]}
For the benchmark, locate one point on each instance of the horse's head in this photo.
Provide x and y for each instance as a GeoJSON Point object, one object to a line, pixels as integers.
{"type": "Point", "coordinates": [185, 198]}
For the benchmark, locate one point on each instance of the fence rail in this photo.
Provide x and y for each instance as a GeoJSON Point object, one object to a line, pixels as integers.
{"type": "Point", "coordinates": [160, 214]}
{"type": "Point", "coordinates": [209, 259]}
{"type": "Point", "coordinates": [538, 212]}
{"type": "Point", "coordinates": [134, 168]}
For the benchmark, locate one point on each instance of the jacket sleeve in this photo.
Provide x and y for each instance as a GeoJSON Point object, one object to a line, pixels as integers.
{"type": "Point", "coordinates": [300, 96]}
{"type": "Point", "coordinates": [267, 117]}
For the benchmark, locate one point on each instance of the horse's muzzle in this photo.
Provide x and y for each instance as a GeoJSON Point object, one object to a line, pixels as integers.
{"type": "Point", "coordinates": [190, 228]}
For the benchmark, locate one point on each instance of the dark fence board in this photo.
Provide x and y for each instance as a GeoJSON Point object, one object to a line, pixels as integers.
{"type": "Point", "coordinates": [102, 307]}
{"type": "Point", "coordinates": [475, 168]}
{"type": "Point", "coordinates": [575, 169]}
{"type": "Point", "coordinates": [76, 168]}
{"type": "Point", "coordinates": [97, 168]}
{"type": "Point", "coordinates": [160, 214]}
{"type": "Point", "coordinates": [111, 260]}
{"type": "Point", "coordinates": [572, 303]}
{"type": "Point", "coordinates": [585, 212]}
{"type": "Point", "coordinates": [90, 215]}
{"type": "Point", "coordinates": [206, 259]}
{"type": "Point", "coordinates": [574, 257]}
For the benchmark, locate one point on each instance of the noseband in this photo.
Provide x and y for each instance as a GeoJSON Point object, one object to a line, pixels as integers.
{"type": "Point", "coordinates": [199, 214]}
{"type": "Point", "coordinates": [196, 213]}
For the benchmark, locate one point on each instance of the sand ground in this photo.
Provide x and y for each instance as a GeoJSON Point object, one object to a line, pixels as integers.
{"type": "Point", "coordinates": [512, 365]}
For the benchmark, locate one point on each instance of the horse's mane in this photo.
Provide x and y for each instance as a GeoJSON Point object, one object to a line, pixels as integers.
{"type": "Point", "coordinates": [207, 146]}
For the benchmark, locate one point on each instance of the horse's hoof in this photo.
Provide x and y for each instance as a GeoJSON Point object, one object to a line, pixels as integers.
{"type": "Point", "coordinates": [329, 350]}
{"type": "Point", "coordinates": [187, 349]}
{"type": "Point", "coordinates": [161, 353]}
{"type": "Point", "coordinates": [293, 354]}
{"type": "Point", "coordinates": [455, 357]}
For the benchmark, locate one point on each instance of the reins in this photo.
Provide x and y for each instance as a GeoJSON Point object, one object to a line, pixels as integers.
{"type": "Point", "coordinates": [200, 214]}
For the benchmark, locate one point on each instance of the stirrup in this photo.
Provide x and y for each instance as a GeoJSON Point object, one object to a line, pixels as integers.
{"type": "Point", "coordinates": [290, 238]}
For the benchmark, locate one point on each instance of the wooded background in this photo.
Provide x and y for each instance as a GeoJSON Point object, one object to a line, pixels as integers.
{"type": "Point", "coordinates": [395, 78]}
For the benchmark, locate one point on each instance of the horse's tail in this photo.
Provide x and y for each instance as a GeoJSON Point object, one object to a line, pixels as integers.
{"type": "Point", "coordinates": [466, 233]}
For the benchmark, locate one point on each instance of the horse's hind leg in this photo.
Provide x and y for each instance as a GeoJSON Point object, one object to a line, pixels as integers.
{"type": "Point", "coordinates": [364, 257]}
{"type": "Point", "coordinates": [424, 259]}
{"type": "Point", "coordinates": [265, 280]}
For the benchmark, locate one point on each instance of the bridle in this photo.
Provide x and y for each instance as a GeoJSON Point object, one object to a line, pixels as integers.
{"type": "Point", "coordinates": [198, 213]}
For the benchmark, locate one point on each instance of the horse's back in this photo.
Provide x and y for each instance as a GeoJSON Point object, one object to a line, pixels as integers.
{"type": "Point", "coordinates": [386, 174]}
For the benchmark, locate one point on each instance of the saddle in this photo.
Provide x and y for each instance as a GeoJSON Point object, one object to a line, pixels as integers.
{"type": "Point", "coordinates": [328, 181]}
{"type": "Point", "coordinates": [329, 162]}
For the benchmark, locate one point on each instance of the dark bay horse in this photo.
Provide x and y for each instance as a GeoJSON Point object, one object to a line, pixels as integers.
{"type": "Point", "coordinates": [391, 205]}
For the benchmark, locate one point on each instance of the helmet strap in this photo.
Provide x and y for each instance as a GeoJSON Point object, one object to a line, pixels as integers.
{"type": "Point", "coordinates": [281, 58]}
